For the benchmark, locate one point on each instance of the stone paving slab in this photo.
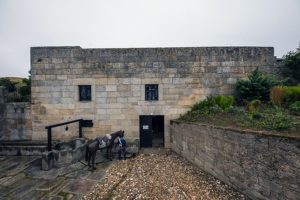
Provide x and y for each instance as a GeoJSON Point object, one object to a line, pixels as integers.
{"type": "Point", "coordinates": [79, 174]}
{"type": "Point", "coordinates": [54, 192]}
{"type": "Point", "coordinates": [21, 177]}
{"type": "Point", "coordinates": [12, 179]}
{"type": "Point", "coordinates": [20, 188]}
{"type": "Point", "coordinates": [53, 198]}
{"type": "Point", "coordinates": [2, 158]}
{"type": "Point", "coordinates": [36, 172]}
{"type": "Point", "coordinates": [50, 184]}
{"type": "Point", "coordinates": [16, 164]}
{"type": "Point", "coordinates": [33, 195]}
{"type": "Point", "coordinates": [80, 186]}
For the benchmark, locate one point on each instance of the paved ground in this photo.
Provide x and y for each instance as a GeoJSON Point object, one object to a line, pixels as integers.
{"type": "Point", "coordinates": [21, 178]}
{"type": "Point", "coordinates": [153, 174]}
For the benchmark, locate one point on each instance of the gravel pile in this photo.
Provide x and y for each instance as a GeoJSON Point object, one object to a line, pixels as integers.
{"type": "Point", "coordinates": [160, 176]}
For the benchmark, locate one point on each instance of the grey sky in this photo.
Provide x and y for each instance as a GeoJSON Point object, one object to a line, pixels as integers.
{"type": "Point", "coordinates": [143, 23]}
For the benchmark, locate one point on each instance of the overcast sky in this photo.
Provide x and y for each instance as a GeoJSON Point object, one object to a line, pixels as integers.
{"type": "Point", "coordinates": [143, 23]}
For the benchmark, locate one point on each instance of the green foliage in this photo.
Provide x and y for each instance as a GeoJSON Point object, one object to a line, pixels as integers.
{"type": "Point", "coordinates": [277, 95]}
{"type": "Point", "coordinates": [8, 84]}
{"type": "Point", "coordinates": [17, 91]}
{"type": "Point", "coordinates": [224, 102]}
{"type": "Point", "coordinates": [25, 89]}
{"type": "Point", "coordinates": [212, 104]}
{"type": "Point", "coordinates": [257, 86]}
{"type": "Point", "coordinates": [284, 95]}
{"type": "Point", "coordinates": [203, 105]}
{"type": "Point", "coordinates": [291, 94]}
{"type": "Point", "coordinates": [295, 108]}
{"type": "Point", "coordinates": [292, 62]}
{"type": "Point", "coordinates": [281, 121]}
{"type": "Point", "coordinates": [254, 105]}
{"type": "Point", "coordinates": [270, 118]}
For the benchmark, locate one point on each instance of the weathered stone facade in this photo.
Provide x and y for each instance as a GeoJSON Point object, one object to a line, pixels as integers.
{"type": "Point", "coordinates": [16, 123]}
{"type": "Point", "coordinates": [260, 166]}
{"type": "Point", "coordinates": [118, 77]}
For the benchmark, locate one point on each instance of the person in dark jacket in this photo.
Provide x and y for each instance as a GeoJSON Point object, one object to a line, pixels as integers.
{"type": "Point", "coordinates": [122, 148]}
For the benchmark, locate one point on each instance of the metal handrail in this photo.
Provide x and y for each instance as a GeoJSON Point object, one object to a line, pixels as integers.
{"type": "Point", "coordinates": [49, 132]}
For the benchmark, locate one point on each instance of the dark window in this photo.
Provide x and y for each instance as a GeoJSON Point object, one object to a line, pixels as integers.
{"type": "Point", "coordinates": [151, 92]}
{"type": "Point", "coordinates": [85, 93]}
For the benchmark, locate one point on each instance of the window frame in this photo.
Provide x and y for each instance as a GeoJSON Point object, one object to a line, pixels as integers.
{"type": "Point", "coordinates": [89, 88]}
{"type": "Point", "coordinates": [151, 92]}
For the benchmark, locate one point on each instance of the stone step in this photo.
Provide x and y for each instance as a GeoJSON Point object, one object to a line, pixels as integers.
{"type": "Point", "coordinates": [22, 150]}
{"type": "Point", "coordinates": [24, 143]}
{"type": "Point", "coordinates": [24, 147]}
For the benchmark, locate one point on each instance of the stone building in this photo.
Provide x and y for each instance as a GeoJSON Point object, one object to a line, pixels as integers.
{"type": "Point", "coordinates": [139, 89]}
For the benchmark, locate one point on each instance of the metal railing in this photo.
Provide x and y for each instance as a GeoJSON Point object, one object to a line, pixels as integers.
{"type": "Point", "coordinates": [82, 123]}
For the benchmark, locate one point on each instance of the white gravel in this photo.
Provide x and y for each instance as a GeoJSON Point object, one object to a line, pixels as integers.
{"type": "Point", "coordinates": [160, 176]}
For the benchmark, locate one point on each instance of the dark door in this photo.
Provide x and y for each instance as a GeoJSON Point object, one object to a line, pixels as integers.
{"type": "Point", "coordinates": [146, 132]}
{"type": "Point", "coordinates": [152, 131]}
{"type": "Point", "coordinates": [158, 131]}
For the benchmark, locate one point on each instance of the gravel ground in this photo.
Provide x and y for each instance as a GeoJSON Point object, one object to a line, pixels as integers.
{"type": "Point", "coordinates": [160, 176]}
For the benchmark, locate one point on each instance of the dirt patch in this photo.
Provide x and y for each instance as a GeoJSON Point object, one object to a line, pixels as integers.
{"type": "Point", "coordinates": [160, 176]}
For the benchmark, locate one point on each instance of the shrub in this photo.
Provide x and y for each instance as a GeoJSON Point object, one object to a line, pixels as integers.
{"type": "Point", "coordinates": [281, 121]}
{"type": "Point", "coordinates": [224, 102]}
{"type": "Point", "coordinates": [202, 105]}
{"type": "Point", "coordinates": [277, 95]}
{"type": "Point", "coordinates": [295, 108]}
{"type": "Point", "coordinates": [253, 106]}
{"type": "Point", "coordinates": [257, 86]}
{"type": "Point", "coordinates": [284, 95]}
{"type": "Point", "coordinates": [212, 104]}
{"type": "Point", "coordinates": [292, 62]}
{"type": "Point", "coordinates": [8, 84]}
{"type": "Point", "coordinates": [256, 115]}
{"type": "Point", "coordinates": [292, 94]}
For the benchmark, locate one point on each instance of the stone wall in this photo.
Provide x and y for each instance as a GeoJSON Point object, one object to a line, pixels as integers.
{"type": "Point", "coordinates": [260, 166]}
{"type": "Point", "coordinates": [118, 77]}
{"type": "Point", "coordinates": [16, 121]}
{"type": "Point", "coordinates": [2, 94]}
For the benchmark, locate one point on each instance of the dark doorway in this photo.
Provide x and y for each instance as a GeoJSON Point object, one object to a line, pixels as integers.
{"type": "Point", "coordinates": [152, 131]}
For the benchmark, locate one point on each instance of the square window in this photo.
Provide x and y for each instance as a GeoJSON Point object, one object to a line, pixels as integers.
{"type": "Point", "coordinates": [151, 92]}
{"type": "Point", "coordinates": [85, 93]}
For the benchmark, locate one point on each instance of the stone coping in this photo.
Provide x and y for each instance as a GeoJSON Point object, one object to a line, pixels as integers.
{"type": "Point", "coordinates": [242, 131]}
{"type": "Point", "coordinates": [134, 48]}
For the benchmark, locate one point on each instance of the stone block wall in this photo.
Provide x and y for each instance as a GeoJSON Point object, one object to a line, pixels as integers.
{"type": "Point", "coordinates": [16, 121]}
{"type": "Point", "coordinates": [260, 166]}
{"type": "Point", "coordinates": [118, 77]}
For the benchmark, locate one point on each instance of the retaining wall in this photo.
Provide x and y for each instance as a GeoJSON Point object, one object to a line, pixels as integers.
{"type": "Point", "coordinates": [260, 166]}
